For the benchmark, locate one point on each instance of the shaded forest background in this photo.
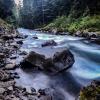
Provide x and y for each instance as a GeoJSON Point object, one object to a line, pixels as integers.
{"type": "Point", "coordinates": [38, 13]}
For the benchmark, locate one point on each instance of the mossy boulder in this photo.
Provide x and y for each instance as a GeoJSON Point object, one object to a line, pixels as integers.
{"type": "Point", "coordinates": [91, 92]}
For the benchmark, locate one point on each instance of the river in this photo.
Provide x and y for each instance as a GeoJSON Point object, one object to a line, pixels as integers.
{"type": "Point", "coordinates": [66, 85]}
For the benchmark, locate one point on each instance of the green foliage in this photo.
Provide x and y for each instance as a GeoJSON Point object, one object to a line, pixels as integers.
{"type": "Point", "coordinates": [86, 23]}
{"type": "Point", "coordinates": [89, 23]}
{"type": "Point", "coordinates": [90, 93]}
{"type": "Point", "coordinates": [6, 10]}
{"type": "Point", "coordinates": [4, 24]}
{"type": "Point", "coordinates": [60, 23]}
{"type": "Point", "coordinates": [37, 13]}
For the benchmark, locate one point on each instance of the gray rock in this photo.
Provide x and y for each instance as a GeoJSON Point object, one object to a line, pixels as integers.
{"type": "Point", "coordinates": [95, 40]}
{"type": "Point", "coordinates": [10, 88]}
{"type": "Point", "coordinates": [4, 75]}
{"type": "Point", "coordinates": [20, 42]}
{"type": "Point", "coordinates": [92, 34]}
{"type": "Point", "coordinates": [7, 84]}
{"type": "Point", "coordinates": [2, 59]}
{"type": "Point", "coordinates": [47, 97]}
{"type": "Point", "coordinates": [13, 57]}
{"type": "Point", "coordinates": [50, 59]}
{"type": "Point", "coordinates": [23, 53]}
{"type": "Point", "coordinates": [2, 90]}
{"type": "Point", "coordinates": [78, 33]}
{"type": "Point", "coordinates": [35, 37]}
{"type": "Point", "coordinates": [49, 43]}
{"type": "Point", "coordinates": [10, 66]}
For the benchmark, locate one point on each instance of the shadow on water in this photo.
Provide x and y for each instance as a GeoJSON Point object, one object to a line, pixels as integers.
{"type": "Point", "coordinates": [66, 81]}
{"type": "Point", "coordinates": [62, 86]}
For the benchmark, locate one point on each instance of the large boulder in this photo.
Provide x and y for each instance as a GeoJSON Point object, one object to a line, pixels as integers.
{"type": "Point", "coordinates": [50, 59]}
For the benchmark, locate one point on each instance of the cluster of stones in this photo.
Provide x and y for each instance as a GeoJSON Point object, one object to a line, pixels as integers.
{"type": "Point", "coordinates": [10, 91]}
{"type": "Point", "coordinates": [10, 43]}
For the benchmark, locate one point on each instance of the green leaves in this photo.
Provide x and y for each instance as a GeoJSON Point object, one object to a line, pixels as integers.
{"type": "Point", "coordinates": [90, 23]}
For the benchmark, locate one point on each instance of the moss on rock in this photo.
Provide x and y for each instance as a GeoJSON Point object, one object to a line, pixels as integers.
{"type": "Point", "coordinates": [91, 92]}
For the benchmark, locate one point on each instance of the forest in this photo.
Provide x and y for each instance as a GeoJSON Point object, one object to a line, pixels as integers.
{"type": "Point", "coordinates": [49, 49]}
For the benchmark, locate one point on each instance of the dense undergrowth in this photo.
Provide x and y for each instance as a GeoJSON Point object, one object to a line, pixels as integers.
{"type": "Point", "coordinates": [6, 27]}
{"type": "Point", "coordinates": [4, 24]}
{"type": "Point", "coordinates": [91, 92]}
{"type": "Point", "coordinates": [63, 23]}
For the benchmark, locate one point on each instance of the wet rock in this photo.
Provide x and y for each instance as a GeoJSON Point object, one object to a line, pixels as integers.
{"type": "Point", "coordinates": [10, 88]}
{"type": "Point", "coordinates": [92, 34]}
{"type": "Point", "coordinates": [54, 31]}
{"type": "Point", "coordinates": [7, 37]}
{"type": "Point", "coordinates": [95, 40]}
{"type": "Point", "coordinates": [12, 97]}
{"type": "Point", "coordinates": [10, 66]}
{"type": "Point", "coordinates": [2, 59]}
{"type": "Point", "coordinates": [28, 90]}
{"type": "Point", "coordinates": [20, 42]}
{"type": "Point", "coordinates": [7, 84]}
{"type": "Point", "coordinates": [42, 92]}
{"type": "Point", "coordinates": [16, 46]}
{"type": "Point", "coordinates": [13, 57]}
{"type": "Point", "coordinates": [95, 83]}
{"type": "Point", "coordinates": [49, 43]}
{"type": "Point", "coordinates": [35, 37]}
{"type": "Point", "coordinates": [47, 97]}
{"type": "Point", "coordinates": [78, 33]}
{"type": "Point", "coordinates": [50, 59]}
{"type": "Point", "coordinates": [85, 34]}
{"type": "Point", "coordinates": [23, 53]}
{"type": "Point", "coordinates": [82, 34]}
{"type": "Point", "coordinates": [4, 75]}
{"type": "Point", "coordinates": [33, 90]}
{"type": "Point", "coordinates": [14, 75]}
{"type": "Point", "coordinates": [21, 36]}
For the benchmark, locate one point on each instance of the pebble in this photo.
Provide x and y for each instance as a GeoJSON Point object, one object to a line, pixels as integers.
{"type": "Point", "coordinates": [13, 57]}
{"type": "Point", "coordinates": [10, 88]}
{"type": "Point", "coordinates": [10, 66]}
{"type": "Point", "coordinates": [2, 90]}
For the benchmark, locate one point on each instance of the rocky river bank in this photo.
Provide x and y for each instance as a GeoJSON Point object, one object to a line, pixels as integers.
{"type": "Point", "coordinates": [10, 42]}
{"type": "Point", "coordinates": [93, 37]}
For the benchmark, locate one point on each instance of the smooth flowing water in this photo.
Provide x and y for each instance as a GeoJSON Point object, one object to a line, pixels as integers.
{"type": "Point", "coordinates": [66, 85]}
